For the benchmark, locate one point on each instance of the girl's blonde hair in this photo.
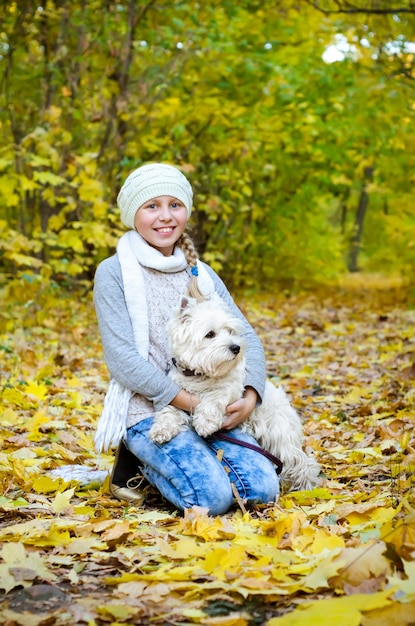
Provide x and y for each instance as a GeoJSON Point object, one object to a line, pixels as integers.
{"type": "Point", "coordinates": [186, 244]}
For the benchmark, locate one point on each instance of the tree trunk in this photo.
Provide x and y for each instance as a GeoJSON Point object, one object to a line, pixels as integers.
{"type": "Point", "coordinates": [359, 222]}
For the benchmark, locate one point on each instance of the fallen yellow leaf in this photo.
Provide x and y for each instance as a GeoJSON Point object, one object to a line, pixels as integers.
{"type": "Point", "coordinates": [62, 500]}
{"type": "Point", "coordinates": [346, 611]}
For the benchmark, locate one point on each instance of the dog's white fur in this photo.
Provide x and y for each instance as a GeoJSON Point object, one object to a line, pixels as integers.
{"type": "Point", "coordinates": [208, 349]}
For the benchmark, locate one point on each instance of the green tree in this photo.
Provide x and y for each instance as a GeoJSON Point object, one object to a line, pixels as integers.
{"type": "Point", "coordinates": [275, 140]}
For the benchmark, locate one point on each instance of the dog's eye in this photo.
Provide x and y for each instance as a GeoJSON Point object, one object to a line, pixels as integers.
{"type": "Point", "coordinates": [210, 335]}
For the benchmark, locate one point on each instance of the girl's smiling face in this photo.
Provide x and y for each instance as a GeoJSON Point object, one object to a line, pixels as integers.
{"type": "Point", "coordinates": [161, 221]}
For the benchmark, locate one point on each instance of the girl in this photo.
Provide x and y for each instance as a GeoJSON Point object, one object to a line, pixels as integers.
{"type": "Point", "coordinates": [135, 291]}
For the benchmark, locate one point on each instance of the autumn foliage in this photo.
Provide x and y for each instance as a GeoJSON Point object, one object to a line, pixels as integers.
{"type": "Point", "coordinates": [71, 554]}
{"type": "Point", "coordinates": [302, 170]}
{"type": "Point", "coordinates": [286, 152]}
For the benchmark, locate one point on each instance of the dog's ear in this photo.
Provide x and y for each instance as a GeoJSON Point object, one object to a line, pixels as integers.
{"type": "Point", "coordinates": [184, 303]}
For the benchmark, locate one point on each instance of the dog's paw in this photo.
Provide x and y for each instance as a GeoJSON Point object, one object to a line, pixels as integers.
{"type": "Point", "coordinates": [205, 424]}
{"type": "Point", "coordinates": [168, 423]}
{"type": "Point", "coordinates": [205, 430]}
{"type": "Point", "coordinates": [160, 434]}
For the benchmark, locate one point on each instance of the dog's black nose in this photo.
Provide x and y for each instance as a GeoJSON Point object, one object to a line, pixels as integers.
{"type": "Point", "coordinates": [235, 348]}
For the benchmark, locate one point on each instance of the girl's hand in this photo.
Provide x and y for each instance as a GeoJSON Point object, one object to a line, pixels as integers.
{"type": "Point", "coordinates": [185, 401]}
{"type": "Point", "coordinates": [241, 409]}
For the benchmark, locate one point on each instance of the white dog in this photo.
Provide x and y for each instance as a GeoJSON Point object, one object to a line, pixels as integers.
{"type": "Point", "coordinates": [208, 361]}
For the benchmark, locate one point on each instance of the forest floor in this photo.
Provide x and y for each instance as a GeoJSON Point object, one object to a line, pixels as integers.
{"type": "Point", "coordinates": [343, 553]}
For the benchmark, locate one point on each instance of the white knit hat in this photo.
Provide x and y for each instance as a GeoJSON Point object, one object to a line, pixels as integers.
{"type": "Point", "coordinates": [148, 182]}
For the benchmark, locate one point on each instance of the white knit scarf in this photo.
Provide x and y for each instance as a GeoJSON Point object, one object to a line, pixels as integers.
{"type": "Point", "coordinates": [133, 252]}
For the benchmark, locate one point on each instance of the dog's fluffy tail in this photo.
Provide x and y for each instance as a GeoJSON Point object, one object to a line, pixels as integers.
{"type": "Point", "coordinates": [277, 426]}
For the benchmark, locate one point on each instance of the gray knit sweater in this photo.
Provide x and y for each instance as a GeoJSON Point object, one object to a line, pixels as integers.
{"type": "Point", "coordinates": [152, 388]}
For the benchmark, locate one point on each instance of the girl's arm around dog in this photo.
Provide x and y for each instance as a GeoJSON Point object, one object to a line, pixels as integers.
{"type": "Point", "coordinates": [254, 354]}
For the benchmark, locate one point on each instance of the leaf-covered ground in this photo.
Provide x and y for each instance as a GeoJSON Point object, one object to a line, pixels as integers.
{"type": "Point", "coordinates": [343, 553]}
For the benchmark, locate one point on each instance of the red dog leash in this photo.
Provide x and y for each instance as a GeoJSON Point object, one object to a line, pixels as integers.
{"type": "Point", "coordinates": [221, 435]}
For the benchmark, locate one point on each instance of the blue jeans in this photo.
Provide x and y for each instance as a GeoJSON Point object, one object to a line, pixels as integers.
{"type": "Point", "coordinates": [187, 472]}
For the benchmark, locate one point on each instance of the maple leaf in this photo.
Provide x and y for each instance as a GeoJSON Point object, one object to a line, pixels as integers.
{"type": "Point", "coordinates": [362, 563]}
{"type": "Point", "coordinates": [401, 535]}
{"type": "Point", "coordinates": [20, 567]}
{"type": "Point", "coordinates": [62, 500]}
{"type": "Point", "coordinates": [197, 522]}
{"type": "Point", "coordinates": [340, 610]}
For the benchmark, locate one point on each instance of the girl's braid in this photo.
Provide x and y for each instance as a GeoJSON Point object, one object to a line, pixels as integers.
{"type": "Point", "coordinates": [186, 244]}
